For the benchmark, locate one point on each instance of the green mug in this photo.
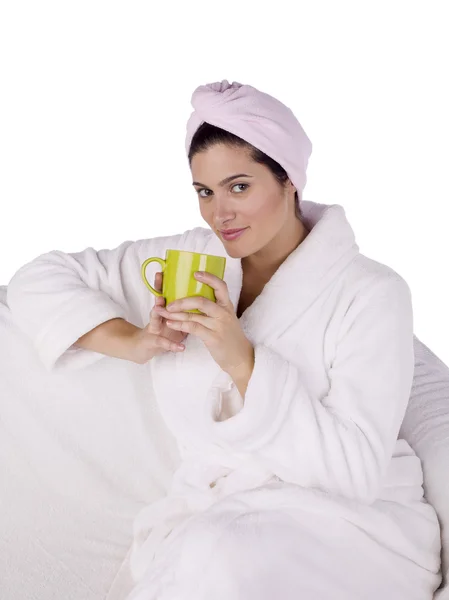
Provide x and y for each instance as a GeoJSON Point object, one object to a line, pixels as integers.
{"type": "Point", "coordinates": [178, 270]}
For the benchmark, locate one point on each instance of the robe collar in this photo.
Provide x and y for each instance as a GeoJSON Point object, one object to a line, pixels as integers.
{"type": "Point", "coordinates": [300, 279]}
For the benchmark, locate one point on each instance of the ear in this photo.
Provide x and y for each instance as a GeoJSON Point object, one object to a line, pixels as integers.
{"type": "Point", "coordinates": [291, 187]}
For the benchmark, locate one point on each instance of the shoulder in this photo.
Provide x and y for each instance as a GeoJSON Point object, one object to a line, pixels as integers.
{"type": "Point", "coordinates": [367, 273]}
{"type": "Point", "coordinates": [197, 239]}
{"type": "Point", "coordinates": [194, 240]}
{"type": "Point", "coordinates": [367, 284]}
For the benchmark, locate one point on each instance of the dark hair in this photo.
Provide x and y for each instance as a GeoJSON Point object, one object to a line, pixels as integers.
{"type": "Point", "coordinates": [208, 135]}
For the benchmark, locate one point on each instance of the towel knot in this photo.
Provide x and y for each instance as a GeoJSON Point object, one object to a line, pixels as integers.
{"type": "Point", "coordinates": [208, 97]}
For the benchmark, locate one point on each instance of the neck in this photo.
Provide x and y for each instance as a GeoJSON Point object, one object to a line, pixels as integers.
{"type": "Point", "coordinates": [266, 261]}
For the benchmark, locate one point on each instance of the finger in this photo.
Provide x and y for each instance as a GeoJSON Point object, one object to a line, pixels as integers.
{"type": "Point", "coordinates": [166, 344]}
{"type": "Point", "coordinates": [155, 324]}
{"type": "Point", "coordinates": [158, 281]}
{"type": "Point", "coordinates": [159, 300]}
{"type": "Point", "coordinates": [206, 306]}
{"type": "Point", "coordinates": [192, 323]}
{"type": "Point", "coordinates": [155, 318]}
{"type": "Point", "coordinates": [218, 285]}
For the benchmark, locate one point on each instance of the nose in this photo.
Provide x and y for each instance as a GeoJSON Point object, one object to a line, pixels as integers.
{"type": "Point", "coordinates": [223, 212]}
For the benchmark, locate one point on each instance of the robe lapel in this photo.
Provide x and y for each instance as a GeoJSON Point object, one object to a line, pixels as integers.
{"type": "Point", "coordinates": [306, 272]}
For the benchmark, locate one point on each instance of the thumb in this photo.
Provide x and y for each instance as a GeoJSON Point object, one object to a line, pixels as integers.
{"type": "Point", "coordinates": [155, 323]}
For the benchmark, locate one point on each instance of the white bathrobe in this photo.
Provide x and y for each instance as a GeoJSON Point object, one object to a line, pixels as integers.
{"type": "Point", "coordinates": [302, 490]}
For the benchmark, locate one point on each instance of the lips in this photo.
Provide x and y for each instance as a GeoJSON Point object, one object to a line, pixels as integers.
{"type": "Point", "coordinates": [232, 234]}
{"type": "Point", "coordinates": [227, 231]}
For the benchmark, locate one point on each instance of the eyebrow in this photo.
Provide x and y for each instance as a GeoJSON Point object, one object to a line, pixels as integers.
{"type": "Point", "coordinates": [225, 180]}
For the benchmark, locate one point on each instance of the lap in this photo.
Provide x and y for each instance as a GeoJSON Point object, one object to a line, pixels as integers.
{"type": "Point", "coordinates": [236, 549]}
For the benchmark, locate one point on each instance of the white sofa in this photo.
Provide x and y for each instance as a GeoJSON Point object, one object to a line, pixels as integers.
{"type": "Point", "coordinates": [426, 428]}
{"type": "Point", "coordinates": [75, 470]}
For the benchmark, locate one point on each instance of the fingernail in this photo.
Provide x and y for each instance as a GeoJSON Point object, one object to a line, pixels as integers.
{"type": "Point", "coordinates": [199, 274]}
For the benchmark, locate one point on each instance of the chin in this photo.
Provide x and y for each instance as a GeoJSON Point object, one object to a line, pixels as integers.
{"type": "Point", "coordinates": [234, 252]}
{"type": "Point", "coordinates": [233, 248]}
{"type": "Point", "coordinates": [230, 248]}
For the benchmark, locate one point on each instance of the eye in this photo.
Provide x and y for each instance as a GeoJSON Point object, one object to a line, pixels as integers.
{"type": "Point", "coordinates": [206, 194]}
{"type": "Point", "coordinates": [240, 185]}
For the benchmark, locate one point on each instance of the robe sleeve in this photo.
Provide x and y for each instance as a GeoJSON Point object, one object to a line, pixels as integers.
{"type": "Point", "coordinates": [343, 441]}
{"type": "Point", "coordinates": [58, 297]}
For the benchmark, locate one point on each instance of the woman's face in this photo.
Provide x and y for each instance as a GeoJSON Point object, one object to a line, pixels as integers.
{"type": "Point", "coordinates": [235, 192]}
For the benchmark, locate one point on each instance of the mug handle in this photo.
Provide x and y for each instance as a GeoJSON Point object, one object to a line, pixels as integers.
{"type": "Point", "coordinates": [161, 261]}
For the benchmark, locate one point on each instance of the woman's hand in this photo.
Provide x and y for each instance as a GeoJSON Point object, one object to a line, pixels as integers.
{"type": "Point", "coordinates": [158, 325]}
{"type": "Point", "coordinates": [120, 339]}
{"type": "Point", "coordinates": [218, 327]}
{"type": "Point", "coordinates": [141, 345]}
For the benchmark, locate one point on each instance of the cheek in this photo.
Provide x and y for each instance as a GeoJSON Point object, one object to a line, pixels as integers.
{"type": "Point", "coordinates": [206, 212]}
{"type": "Point", "coordinates": [267, 207]}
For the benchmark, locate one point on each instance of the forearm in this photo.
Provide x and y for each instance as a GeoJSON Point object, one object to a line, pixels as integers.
{"type": "Point", "coordinates": [108, 338]}
{"type": "Point", "coordinates": [58, 297]}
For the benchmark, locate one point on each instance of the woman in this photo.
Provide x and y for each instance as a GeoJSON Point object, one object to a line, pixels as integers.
{"type": "Point", "coordinates": [286, 396]}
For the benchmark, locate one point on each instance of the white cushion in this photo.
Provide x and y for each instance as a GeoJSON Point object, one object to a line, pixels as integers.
{"type": "Point", "coordinates": [81, 453]}
{"type": "Point", "coordinates": [426, 429]}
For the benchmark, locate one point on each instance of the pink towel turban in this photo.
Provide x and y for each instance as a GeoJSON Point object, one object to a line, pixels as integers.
{"type": "Point", "coordinates": [257, 118]}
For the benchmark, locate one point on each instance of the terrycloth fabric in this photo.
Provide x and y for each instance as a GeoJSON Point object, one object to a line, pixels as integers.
{"type": "Point", "coordinates": [257, 118]}
{"type": "Point", "coordinates": [58, 297]}
{"type": "Point", "coordinates": [56, 451]}
{"type": "Point", "coordinates": [426, 428]}
{"type": "Point", "coordinates": [297, 490]}
{"type": "Point", "coordinates": [83, 447]}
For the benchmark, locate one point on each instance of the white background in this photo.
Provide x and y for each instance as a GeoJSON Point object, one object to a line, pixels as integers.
{"type": "Point", "coordinates": [95, 97]}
